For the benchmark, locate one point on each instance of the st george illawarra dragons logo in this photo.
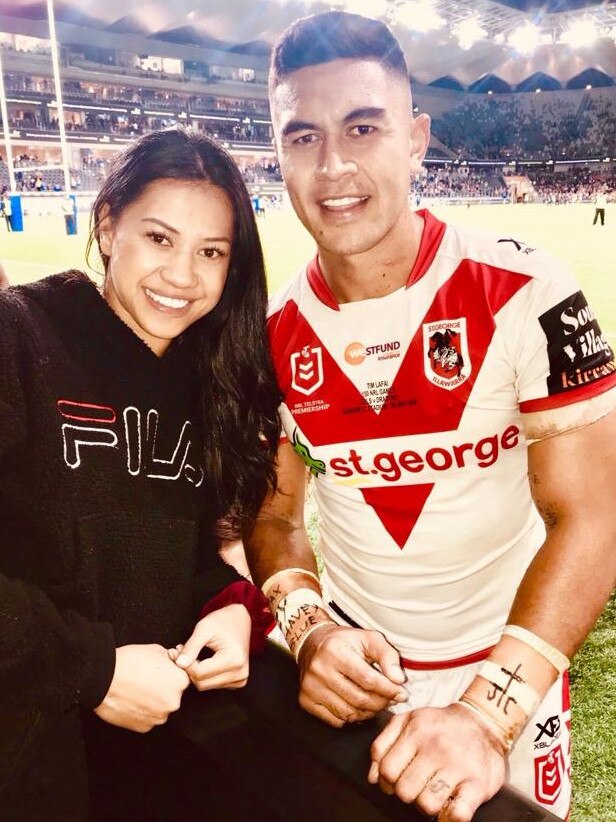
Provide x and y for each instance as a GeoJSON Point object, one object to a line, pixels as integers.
{"type": "Point", "coordinates": [446, 359]}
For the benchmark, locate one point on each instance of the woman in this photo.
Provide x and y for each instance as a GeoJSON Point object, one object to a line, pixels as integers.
{"type": "Point", "coordinates": [132, 418]}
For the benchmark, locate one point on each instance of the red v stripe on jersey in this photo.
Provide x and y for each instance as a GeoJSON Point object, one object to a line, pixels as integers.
{"type": "Point", "coordinates": [414, 404]}
{"type": "Point", "coordinates": [398, 507]}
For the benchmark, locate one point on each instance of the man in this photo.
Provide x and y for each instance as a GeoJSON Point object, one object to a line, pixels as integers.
{"type": "Point", "coordinates": [7, 211]}
{"type": "Point", "coordinates": [600, 204]}
{"type": "Point", "coordinates": [428, 373]}
{"type": "Point", "coordinates": [68, 210]}
{"type": "Point", "coordinates": [4, 280]}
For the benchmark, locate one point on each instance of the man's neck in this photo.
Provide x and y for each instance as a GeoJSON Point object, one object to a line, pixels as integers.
{"type": "Point", "coordinates": [377, 272]}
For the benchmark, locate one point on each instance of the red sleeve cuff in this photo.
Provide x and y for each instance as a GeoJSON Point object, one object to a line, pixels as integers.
{"type": "Point", "coordinates": [245, 593]}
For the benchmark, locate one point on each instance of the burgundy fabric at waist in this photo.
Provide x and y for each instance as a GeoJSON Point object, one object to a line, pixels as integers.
{"type": "Point", "coordinates": [417, 665]}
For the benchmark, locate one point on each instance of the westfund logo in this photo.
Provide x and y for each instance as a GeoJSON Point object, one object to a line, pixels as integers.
{"type": "Point", "coordinates": [578, 351]}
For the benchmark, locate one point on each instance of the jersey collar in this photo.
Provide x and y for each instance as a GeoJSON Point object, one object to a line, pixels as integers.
{"type": "Point", "coordinates": [431, 237]}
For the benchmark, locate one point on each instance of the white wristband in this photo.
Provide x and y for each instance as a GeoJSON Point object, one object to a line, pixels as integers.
{"type": "Point", "coordinates": [553, 655]}
{"type": "Point", "coordinates": [273, 579]}
{"type": "Point", "coordinates": [296, 604]}
{"type": "Point", "coordinates": [509, 687]}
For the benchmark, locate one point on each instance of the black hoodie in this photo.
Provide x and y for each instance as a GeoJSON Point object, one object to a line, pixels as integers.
{"type": "Point", "coordinates": [103, 536]}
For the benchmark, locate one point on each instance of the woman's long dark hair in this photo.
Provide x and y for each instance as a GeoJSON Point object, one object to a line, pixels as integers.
{"type": "Point", "coordinates": [238, 393]}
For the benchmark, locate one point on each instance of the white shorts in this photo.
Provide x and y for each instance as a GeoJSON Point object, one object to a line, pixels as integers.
{"type": "Point", "coordinates": [540, 761]}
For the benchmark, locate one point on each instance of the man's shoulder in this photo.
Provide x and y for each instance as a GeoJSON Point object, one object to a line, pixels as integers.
{"type": "Point", "coordinates": [287, 296]}
{"type": "Point", "coordinates": [500, 251]}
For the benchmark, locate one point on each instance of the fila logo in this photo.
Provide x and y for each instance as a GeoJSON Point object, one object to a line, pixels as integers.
{"type": "Point", "coordinates": [307, 370]}
{"type": "Point", "coordinates": [96, 426]}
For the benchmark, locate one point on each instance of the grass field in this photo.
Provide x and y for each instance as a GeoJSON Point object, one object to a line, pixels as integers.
{"type": "Point", "coordinates": [591, 254]}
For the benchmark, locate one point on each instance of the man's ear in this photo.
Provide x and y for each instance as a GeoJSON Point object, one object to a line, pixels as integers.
{"type": "Point", "coordinates": [104, 230]}
{"type": "Point", "coordinates": [420, 140]}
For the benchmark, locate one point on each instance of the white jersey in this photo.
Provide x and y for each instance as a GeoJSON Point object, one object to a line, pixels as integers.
{"type": "Point", "coordinates": [408, 411]}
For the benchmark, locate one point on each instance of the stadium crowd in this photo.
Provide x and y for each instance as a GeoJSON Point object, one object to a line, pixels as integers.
{"type": "Point", "coordinates": [498, 127]}
{"type": "Point", "coordinates": [501, 128]}
{"type": "Point", "coordinates": [460, 181]}
{"type": "Point", "coordinates": [504, 128]}
{"type": "Point", "coordinates": [439, 181]}
{"type": "Point", "coordinates": [576, 185]}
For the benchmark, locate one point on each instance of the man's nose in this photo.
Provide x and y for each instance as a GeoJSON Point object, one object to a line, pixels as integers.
{"type": "Point", "coordinates": [335, 163]}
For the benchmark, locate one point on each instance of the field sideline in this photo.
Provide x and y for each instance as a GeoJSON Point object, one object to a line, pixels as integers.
{"type": "Point", "coordinates": [566, 230]}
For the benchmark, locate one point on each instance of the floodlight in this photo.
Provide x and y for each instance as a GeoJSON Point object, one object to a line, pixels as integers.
{"type": "Point", "coordinates": [580, 33]}
{"type": "Point", "coordinates": [418, 15]}
{"type": "Point", "coordinates": [525, 39]}
{"type": "Point", "coordinates": [469, 32]}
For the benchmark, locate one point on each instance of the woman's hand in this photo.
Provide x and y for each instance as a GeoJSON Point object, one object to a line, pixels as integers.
{"type": "Point", "coordinates": [226, 633]}
{"type": "Point", "coordinates": [146, 687]}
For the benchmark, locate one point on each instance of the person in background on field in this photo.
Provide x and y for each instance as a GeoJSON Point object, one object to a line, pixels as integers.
{"type": "Point", "coordinates": [451, 393]}
{"type": "Point", "coordinates": [7, 210]}
{"type": "Point", "coordinates": [131, 422]}
{"type": "Point", "coordinates": [600, 204]}
{"type": "Point", "coordinates": [68, 211]}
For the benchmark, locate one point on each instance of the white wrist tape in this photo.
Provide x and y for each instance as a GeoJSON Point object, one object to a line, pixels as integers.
{"type": "Point", "coordinates": [507, 686]}
{"type": "Point", "coordinates": [274, 578]}
{"type": "Point", "coordinates": [301, 602]}
{"type": "Point", "coordinates": [553, 655]}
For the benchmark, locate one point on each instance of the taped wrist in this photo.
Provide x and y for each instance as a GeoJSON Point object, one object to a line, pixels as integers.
{"type": "Point", "coordinates": [299, 610]}
{"type": "Point", "coordinates": [299, 613]}
{"type": "Point", "coordinates": [501, 694]}
{"type": "Point", "coordinates": [282, 582]}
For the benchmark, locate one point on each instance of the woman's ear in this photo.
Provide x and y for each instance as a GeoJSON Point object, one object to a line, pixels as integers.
{"type": "Point", "coordinates": [104, 230]}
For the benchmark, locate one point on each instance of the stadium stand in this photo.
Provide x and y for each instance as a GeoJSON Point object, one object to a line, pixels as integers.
{"type": "Point", "coordinates": [113, 94]}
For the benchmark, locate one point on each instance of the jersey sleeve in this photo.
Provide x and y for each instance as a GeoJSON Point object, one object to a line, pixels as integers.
{"type": "Point", "coordinates": [564, 355]}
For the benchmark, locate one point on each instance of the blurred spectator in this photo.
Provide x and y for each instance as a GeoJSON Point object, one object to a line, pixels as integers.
{"type": "Point", "coordinates": [6, 210]}
{"type": "Point", "coordinates": [600, 203]}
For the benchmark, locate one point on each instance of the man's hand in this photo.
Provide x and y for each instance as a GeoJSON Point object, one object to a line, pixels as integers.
{"type": "Point", "coordinates": [445, 760]}
{"type": "Point", "coordinates": [339, 678]}
{"type": "Point", "coordinates": [226, 632]}
{"type": "Point", "coordinates": [146, 687]}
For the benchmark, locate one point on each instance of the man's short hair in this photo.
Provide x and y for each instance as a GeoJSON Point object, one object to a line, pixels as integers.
{"type": "Point", "coordinates": [335, 35]}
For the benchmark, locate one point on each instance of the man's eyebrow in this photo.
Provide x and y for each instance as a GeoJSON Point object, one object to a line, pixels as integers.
{"type": "Point", "coordinates": [297, 125]}
{"type": "Point", "coordinates": [365, 113]}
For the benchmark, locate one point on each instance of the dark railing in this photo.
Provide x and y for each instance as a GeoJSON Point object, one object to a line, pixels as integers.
{"type": "Point", "coordinates": [301, 768]}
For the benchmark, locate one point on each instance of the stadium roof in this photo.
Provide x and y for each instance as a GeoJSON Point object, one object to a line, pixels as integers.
{"type": "Point", "coordinates": [461, 39]}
